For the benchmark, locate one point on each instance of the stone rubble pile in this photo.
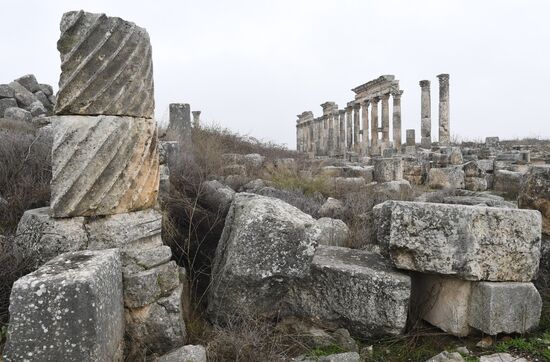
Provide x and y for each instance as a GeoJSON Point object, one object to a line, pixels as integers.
{"type": "Point", "coordinates": [472, 265]}
{"type": "Point", "coordinates": [105, 182]}
{"type": "Point", "coordinates": [25, 99]}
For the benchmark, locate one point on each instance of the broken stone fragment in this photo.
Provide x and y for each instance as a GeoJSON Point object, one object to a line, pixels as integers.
{"type": "Point", "coordinates": [354, 289]}
{"type": "Point", "coordinates": [106, 67]}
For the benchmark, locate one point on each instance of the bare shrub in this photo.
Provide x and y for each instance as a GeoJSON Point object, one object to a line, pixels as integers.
{"type": "Point", "coordinates": [25, 172]}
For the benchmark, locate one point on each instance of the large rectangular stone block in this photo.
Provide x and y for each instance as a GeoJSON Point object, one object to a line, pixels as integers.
{"type": "Point", "coordinates": [103, 165]}
{"type": "Point", "coordinates": [68, 310]}
{"type": "Point", "coordinates": [106, 67]}
{"type": "Point", "coordinates": [470, 242]}
{"type": "Point", "coordinates": [456, 306]}
{"type": "Point", "coordinates": [354, 289]}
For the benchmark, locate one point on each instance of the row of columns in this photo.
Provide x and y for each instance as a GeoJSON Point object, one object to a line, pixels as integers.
{"type": "Point", "coordinates": [426, 116]}
{"type": "Point", "coordinates": [340, 131]}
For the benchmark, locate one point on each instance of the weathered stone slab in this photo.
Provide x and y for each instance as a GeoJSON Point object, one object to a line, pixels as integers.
{"type": "Point", "coordinates": [43, 237]}
{"type": "Point", "coordinates": [217, 196]}
{"type": "Point", "coordinates": [106, 67]}
{"type": "Point", "coordinates": [266, 245]}
{"type": "Point", "coordinates": [354, 289]}
{"type": "Point", "coordinates": [68, 310]}
{"type": "Point", "coordinates": [22, 95]}
{"type": "Point", "coordinates": [103, 165]}
{"type": "Point", "coordinates": [471, 242]}
{"type": "Point", "coordinates": [504, 307]}
{"type": "Point", "coordinates": [29, 82]}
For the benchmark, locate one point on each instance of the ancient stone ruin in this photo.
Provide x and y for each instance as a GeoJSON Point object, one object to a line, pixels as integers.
{"type": "Point", "coordinates": [358, 236]}
{"type": "Point", "coordinates": [363, 128]}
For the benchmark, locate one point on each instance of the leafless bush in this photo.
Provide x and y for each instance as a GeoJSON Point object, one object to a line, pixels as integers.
{"type": "Point", "coordinates": [25, 172]}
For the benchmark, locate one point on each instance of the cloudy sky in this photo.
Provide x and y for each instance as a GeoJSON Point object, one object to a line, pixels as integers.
{"type": "Point", "coordinates": [253, 65]}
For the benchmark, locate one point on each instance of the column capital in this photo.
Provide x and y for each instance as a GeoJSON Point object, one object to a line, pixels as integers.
{"type": "Point", "coordinates": [385, 97]}
{"type": "Point", "coordinates": [356, 105]}
{"type": "Point", "coordinates": [349, 108]}
{"type": "Point", "coordinates": [342, 111]}
{"type": "Point", "coordinates": [425, 83]}
{"type": "Point", "coordinates": [366, 102]}
{"type": "Point", "coordinates": [443, 77]}
{"type": "Point", "coordinates": [375, 100]}
{"type": "Point", "coordinates": [397, 94]}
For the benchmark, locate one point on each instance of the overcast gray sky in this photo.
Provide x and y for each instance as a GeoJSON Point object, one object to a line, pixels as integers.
{"type": "Point", "coordinates": [253, 65]}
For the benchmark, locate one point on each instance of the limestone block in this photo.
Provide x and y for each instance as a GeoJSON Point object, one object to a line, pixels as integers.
{"type": "Point", "coordinates": [188, 353]}
{"type": "Point", "coordinates": [353, 289]}
{"type": "Point", "coordinates": [155, 328]}
{"type": "Point", "coordinates": [6, 103]}
{"type": "Point", "coordinates": [68, 310]}
{"type": "Point", "coordinates": [46, 89]}
{"type": "Point", "coordinates": [455, 156]}
{"type": "Point", "coordinates": [265, 245]}
{"type": "Point", "coordinates": [504, 307]}
{"type": "Point", "coordinates": [470, 242]}
{"type": "Point", "coordinates": [475, 183]}
{"type": "Point", "coordinates": [535, 193]}
{"type": "Point", "coordinates": [106, 67]}
{"type": "Point", "coordinates": [341, 357]}
{"type": "Point", "coordinates": [23, 96]}
{"type": "Point", "coordinates": [217, 196]}
{"type": "Point", "coordinates": [447, 357]}
{"type": "Point", "coordinates": [332, 171]}
{"type": "Point", "coordinates": [456, 305]}
{"type": "Point", "coordinates": [6, 91]}
{"type": "Point", "coordinates": [179, 128]}
{"type": "Point", "coordinates": [333, 232]}
{"type": "Point", "coordinates": [148, 286]}
{"type": "Point", "coordinates": [17, 114]}
{"type": "Point", "coordinates": [43, 237]}
{"type": "Point", "coordinates": [508, 182]}
{"type": "Point", "coordinates": [125, 231]}
{"type": "Point", "coordinates": [446, 178]}
{"type": "Point", "coordinates": [344, 185]}
{"type": "Point", "coordinates": [472, 169]}
{"type": "Point", "coordinates": [167, 152]}
{"type": "Point", "coordinates": [442, 301]}
{"type": "Point", "coordinates": [384, 170]}
{"type": "Point", "coordinates": [253, 161]}
{"type": "Point", "coordinates": [103, 165]}
{"type": "Point", "coordinates": [29, 82]}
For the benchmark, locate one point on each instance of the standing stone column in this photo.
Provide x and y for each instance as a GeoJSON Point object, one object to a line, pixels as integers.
{"type": "Point", "coordinates": [330, 133]}
{"type": "Point", "coordinates": [180, 123]}
{"type": "Point", "coordinates": [444, 130]}
{"type": "Point", "coordinates": [425, 115]}
{"type": "Point", "coordinates": [385, 119]}
{"type": "Point", "coordinates": [196, 119]}
{"type": "Point", "coordinates": [374, 124]}
{"type": "Point", "coordinates": [365, 143]}
{"type": "Point", "coordinates": [356, 126]}
{"type": "Point", "coordinates": [349, 127]}
{"type": "Point", "coordinates": [105, 172]}
{"type": "Point", "coordinates": [411, 137]}
{"type": "Point", "coordinates": [299, 134]}
{"type": "Point", "coordinates": [342, 114]}
{"type": "Point", "coordinates": [335, 132]}
{"type": "Point", "coordinates": [397, 120]}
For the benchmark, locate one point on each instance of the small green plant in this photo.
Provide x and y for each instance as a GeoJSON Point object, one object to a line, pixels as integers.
{"type": "Point", "coordinates": [325, 351]}
{"type": "Point", "coordinates": [533, 346]}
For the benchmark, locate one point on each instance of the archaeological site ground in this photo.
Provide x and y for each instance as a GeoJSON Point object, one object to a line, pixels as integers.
{"type": "Point", "coordinates": [124, 239]}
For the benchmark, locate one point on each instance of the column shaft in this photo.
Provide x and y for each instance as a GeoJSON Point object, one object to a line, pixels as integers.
{"type": "Point", "coordinates": [425, 114]}
{"type": "Point", "coordinates": [349, 127]}
{"type": "Point", "coordinates": [356, 126]}
{"type": "Point", "coordinates": [374, 124]}
{"type": "Point", "coordinates": [444, 129]}
{"type": "Point", "coordinates": [365, 141]}
{"type": "Point", "coordinates": [397, 142]}
{"type": "Point", "coordinates": [385, 119]}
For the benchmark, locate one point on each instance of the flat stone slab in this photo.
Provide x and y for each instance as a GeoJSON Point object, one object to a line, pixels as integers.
{"type": "Point", "coordinates": [106, 67]}
{"type": "Point", "coordinates": [354, 289]}
{"type": "Point", "coordinates": [103, 165]}
{"type": "Point", "coordinates": [456, 306]}
{"type": "Point", "coordinates": [188, 353]}
{"type": "Point", "coordinates": [68, 310]}
{"type": "Point", "coordinates": [470, 242]}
